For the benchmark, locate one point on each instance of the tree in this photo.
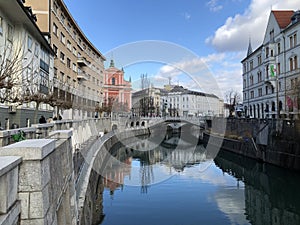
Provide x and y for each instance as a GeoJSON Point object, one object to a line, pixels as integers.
{"type": "Point", "coordinates": [10, 69]}
{"type": "Point", "coordinates": [232, 98]}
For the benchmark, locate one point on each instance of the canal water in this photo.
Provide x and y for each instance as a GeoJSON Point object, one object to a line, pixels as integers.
{"type": "Point", "coordinates": [183, 185]}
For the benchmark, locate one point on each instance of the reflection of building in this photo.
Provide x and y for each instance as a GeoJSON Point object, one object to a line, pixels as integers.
{"type": "Point", "coordinates": [113, 176]}
{"type": "Point", "coordinates": [78, 66]}
{"type": "Point", "coordinates": [117, 91]}
{"type": "Point", "coordinates": [271, 193]}
{"type": "Point", "coordinates": [271, 72]}
{"type": "Point", "coordinates": [26, 61]}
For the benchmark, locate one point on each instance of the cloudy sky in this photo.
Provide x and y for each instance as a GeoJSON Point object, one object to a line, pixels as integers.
{"type": "Point", "coordinates": [197, 44]}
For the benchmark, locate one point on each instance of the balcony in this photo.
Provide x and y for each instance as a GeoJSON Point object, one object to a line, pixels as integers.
{"type": "Point", "coordinates": [81, 61]}
{"type": "Point", "coordinates": [81, 76]}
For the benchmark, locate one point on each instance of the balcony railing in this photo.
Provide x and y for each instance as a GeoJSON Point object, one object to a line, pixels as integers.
{"type": "Point", "coordinates": [81, 61]}
{"type": "Point", "coordinates": [81, 76]}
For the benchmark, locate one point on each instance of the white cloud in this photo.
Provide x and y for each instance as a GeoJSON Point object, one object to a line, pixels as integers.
{"type": "Point", "coordinates": [235, 33]}
{"type": "Point", "coordinates": [214, 6]}
{"type": "Point", "coordinates": [186, 16]}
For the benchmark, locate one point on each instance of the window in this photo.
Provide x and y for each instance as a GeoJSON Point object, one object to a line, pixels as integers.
{"type": "Point", "coordinates": [68, 79]}
{"type": "Point", "coordinates": [10, 33]}
{"type": "Point", "coordinates": [259, 76]}
{"type": "Point", "coordinates": [29, 43]}
{"type": "Point", "coordinates": [69, 27]}
{"type": "Point", "coordinates": [62, 38]}
{"type": "Point", "coordinates": [68, 63]}
{"type": "Point", "coordinates": [259, 60]}
{"type": "Point", "coordinates": [293, 40]}
{"type": "Point", "coordinates": [259, 92]}
{"type": "Point", "coordinates": [69, 46]}
{"type": "Point", "coordinates": [1, 25]}
{"type": "Point", "coordinates": [278, 48]}
{"type": "Point", "coordinates": [74, 67]}
{"type": "Point", "coordinates": [252, 94]}
{"type": "Point", "coordinates": [244, 82]}
{"type": "Point", "coordinates": [62, 76]}
{"type": "Point", "coordinates": [55, 49]}
{"type": "Point", "coordinates": [37, 49]}
{"type": "Point", "coordinates": [55, 29]}
{"type": "Point", "coordinates": [267, 52]}
{"type": "Point", "coordinates": [278, 68]}
{"type": "Point", "coordinates": [251, 80]}
{"type": "Point", "coordinates": [267, 90]}
{"type": "Point", "coordinates": [293, 63]}
{"type": "Point", "coordinates": [62, 18]}
{"type": "Point", "coordinates": [251, 65]}
{"type": "Point", "coordinates": [62, 56]}
{"type": "Point", "coordinates": [55, 72]}
{"type": "Point", "coordinates": [245, 96]}
{"type": "Point", "coordinates": [272, 35]}
{"type": "Point", "coordinates": [113, 81]}
{"type": "Point", "coordinates": [55, 7]}
{"type": "Point", "coordinates": [74, 51]}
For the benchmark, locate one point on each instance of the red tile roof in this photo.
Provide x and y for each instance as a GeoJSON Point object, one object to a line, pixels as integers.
{"type": "Point", "coordinates": [283, 17]}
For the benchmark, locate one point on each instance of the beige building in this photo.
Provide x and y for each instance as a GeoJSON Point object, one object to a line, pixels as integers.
{"type": "Point", "coordinates": [78, 66]}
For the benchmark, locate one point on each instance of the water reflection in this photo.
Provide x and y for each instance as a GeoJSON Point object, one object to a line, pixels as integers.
{"type": "Point", "coordinates": [193, 188]}
{"type": "Point", "coordinates": [271, 193]}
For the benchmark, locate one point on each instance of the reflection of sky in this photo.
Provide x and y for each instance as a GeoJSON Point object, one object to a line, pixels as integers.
{"type": "Point", "coordinates": [200, 194]}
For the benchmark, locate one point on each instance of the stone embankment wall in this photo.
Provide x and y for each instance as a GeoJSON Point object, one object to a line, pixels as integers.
{"type": "Point", "coordinates": [96, 159]}
{"type": "Point", "coordinates": [41, 188]}
{"type": "Point", "coordinates": [272, 141]}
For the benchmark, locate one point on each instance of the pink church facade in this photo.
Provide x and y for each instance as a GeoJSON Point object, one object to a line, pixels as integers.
{"type": "Point", "coordinates": [116, 90]}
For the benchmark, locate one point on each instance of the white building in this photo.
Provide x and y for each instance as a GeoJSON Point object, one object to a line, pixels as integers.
{"type": "Point", "coordinates": [178, 101]}
{"type": "Point", "coordinates": [271, 72]}
{"type": "Point", "coordinates": [26, 54]}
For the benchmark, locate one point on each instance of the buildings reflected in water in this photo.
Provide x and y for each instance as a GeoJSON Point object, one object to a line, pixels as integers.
{"type": "Point", "coordinates": [271, 194]}
{"type": "Point", "coordinates": [261, 194]}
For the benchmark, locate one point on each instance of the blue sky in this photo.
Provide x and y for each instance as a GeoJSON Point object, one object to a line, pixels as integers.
{"type": "Point", "coordinates": [214, 33]}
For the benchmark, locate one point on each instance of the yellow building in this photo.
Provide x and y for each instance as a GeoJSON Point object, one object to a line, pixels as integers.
{"type": "Point", "coordinates": [78, 66]}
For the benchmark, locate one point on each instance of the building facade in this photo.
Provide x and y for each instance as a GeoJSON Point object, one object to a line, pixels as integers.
{"type": "Point", "coordinates": [271, 72]}
{"type": "Point", "coordinates": [174, 100]}
{"type": "Point", "coordinates": [116, 90]}
{"type": "Point", "coordinates": [26, 61]}
{"type": "Point", "coordinates": [179, 101]}
{"type": "Point", "coordinates": [78, 65]}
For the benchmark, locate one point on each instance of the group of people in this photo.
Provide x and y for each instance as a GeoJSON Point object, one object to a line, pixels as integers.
{"type": "Point", "coordinates": [43, 119]}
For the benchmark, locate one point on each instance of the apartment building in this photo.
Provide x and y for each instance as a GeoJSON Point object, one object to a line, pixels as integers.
{"type": "Point", "coordinates": [271, 73]}
{"type": "Point", "coordinates": [26, 67]}
{"type": "Point", "coordinates": [78, 66]}
{"type": "Point", "coordinates": [179, 101]}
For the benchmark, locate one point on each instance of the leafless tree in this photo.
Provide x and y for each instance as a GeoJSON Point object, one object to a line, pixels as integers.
{"type": "Point", "coordinates": [232, 98]}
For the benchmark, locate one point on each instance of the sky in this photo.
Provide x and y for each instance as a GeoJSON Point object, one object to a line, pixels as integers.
{"type": "Point", "coordinates": [198, 44]}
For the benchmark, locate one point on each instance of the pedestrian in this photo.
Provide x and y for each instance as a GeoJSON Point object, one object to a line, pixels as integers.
{"type": "Point", "coordinates": [42, 119]}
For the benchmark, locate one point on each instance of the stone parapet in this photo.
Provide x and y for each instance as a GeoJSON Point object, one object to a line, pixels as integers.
{"type": "Point", "coordinates": [9, 205]}
{"type": "Point", "coordinates": [46, 180]}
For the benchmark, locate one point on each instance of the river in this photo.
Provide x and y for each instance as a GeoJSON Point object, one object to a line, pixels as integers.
{"type": "Point", "coordinates": [183, 185]}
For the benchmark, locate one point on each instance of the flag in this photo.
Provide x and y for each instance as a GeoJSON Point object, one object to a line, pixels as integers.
{"type": "Point", "coordinates": [273, 70]}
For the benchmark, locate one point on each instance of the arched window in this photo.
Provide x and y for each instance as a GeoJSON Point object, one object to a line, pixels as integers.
{"type": "Point", "coordinates": [113, 81]}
